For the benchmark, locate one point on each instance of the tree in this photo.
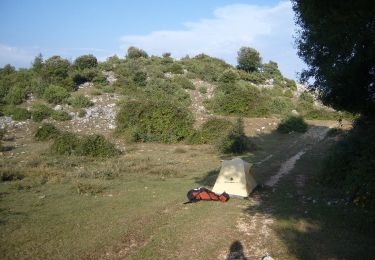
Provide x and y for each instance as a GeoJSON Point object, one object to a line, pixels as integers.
{"type": "Point", "coordinates": [86, 62]}
{"type": "Point", "coordinates": [271, 70]}
{"type": "Point", "coordinates": [38, 63]}
{"type": "Point", "coordinates": [135, 53]}
{"type": "Point", "coordinates": [56, 68]}
{"type": "Point", "coordinates": [336, 41]}
{"type": "Point", "coordinates": [249, 59]}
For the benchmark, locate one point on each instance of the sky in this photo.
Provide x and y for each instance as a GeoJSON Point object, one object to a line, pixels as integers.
{"type": "Point", "coordinates": [219, 28]}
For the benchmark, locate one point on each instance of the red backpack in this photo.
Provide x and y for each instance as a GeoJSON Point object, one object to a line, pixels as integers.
{"type": "Point", "coordinates": [201, 193]}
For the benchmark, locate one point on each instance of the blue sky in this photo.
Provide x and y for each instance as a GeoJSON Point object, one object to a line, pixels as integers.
{"type": "Point", "coordinates": [216, 27]}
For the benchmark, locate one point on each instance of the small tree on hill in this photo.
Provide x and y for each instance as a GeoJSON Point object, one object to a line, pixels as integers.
{"type": "Point", "coordinates": [135, 53]}
{"type": "Point", "coordinates": [86, 62]}
{"type": "Point", "coordinates": [249, 59]}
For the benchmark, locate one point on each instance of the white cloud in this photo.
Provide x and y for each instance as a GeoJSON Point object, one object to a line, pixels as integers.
{"type": "Point", "coordinates": [269, 29]}
{"type": "Point", "coordinates": [16, 56]}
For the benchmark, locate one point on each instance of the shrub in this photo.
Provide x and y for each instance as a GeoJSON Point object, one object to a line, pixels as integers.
{"type": "Point", "coordinates": [322, 114]}
{"type": "Point", "coordinates": [55, 69]}
{"type": "Point", "coordinates": [19, 114]}
{"type": "Point", "coordinates": [175, 68]}
{"type": "Point", "coordinates": [93, 145]}
{"type": "Point", "coordinates": [183, 82]}
{"type": "Point", "coordinates": [80, 101]}
{"type": "Point", "coordinates": [306, 97]}
{"type": "Point", "coordinates": [40, 112]}
{"type": "Point", "coordinates": [202, 90]}
{"type": "Point", "coordinates": [292, 124]}
{"type": "Point", "coordinates": [60, 116]}
{"type": "Point", "coordinates": [89, 188]}
{"type": "Point", "coordinates": [55, 94]}
{"type": "Point", "coordinates": [135, 53]}
{"type": "Point", "coordinates": [213, 129]}
{"type": "Point", "coordinates": [155, 120]}
{"type": "Point", "coordinates": [96, 146]}
{"type": "Point", "coordinates": [235, 141]}
{"type": "Point", "coordinates": [85, 62]}
{"type": "Point", "coordinates": [82, 113]}
{"type": "Point", "coordinates": [46, 131]}
{"type": "Point", "coordinates": [65, 144]}
{"type": "Point", "coordinates": [248, 101]}
{"type": "Point", "coordinates": [253, 77]}
{"type": "Point", "coordinates": [140, 78]}
{"type": "Point", "coordinates": [229, 76]}
{"type": "Point", "coordinates": [282, 106]}
{"type": "Point", "coordinates": [291, 84]}
{"type": "Point", "coordinates": [16, 95]}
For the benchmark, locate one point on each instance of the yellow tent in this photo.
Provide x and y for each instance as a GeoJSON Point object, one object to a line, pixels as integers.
{"type": "Point", "coordinates": [235, 178]}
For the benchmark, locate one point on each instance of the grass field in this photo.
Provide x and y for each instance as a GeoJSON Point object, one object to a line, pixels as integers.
{"type": "Point", "coordinates": [131, 206]}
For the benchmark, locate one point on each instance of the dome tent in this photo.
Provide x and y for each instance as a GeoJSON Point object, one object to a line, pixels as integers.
{"type": "Point", "coordinates": [235, 178]}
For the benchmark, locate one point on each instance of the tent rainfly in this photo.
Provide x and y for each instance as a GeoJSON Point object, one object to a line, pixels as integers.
{"type": "Point", "coordinates": [235, 178]}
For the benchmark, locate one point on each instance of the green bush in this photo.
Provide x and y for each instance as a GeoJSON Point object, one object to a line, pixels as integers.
{"type": "Point", "coordinates": [350, 165]}
{"type": "Point", "coordinates": [183, 82]}
{"type": "Point", "coordinates": [80, 101]}
{"type": "Point", "coordinates": [16, 95]}
{"type": "Point", "coordinates": [253, 77]}
{"type": "Point", "coordinates": [65, 144]}
{"type": "Point", "coordinates": [135, 53]}
{"type": "Point", "coordinates": [96, 146]}
{"type": "Point", "coordinates": [60, 116]}
{"type": "Point", "coordinates": [46, 131]}
{"type": "Point", "coordinates": [40, 112]}
{"type": "Point", "coordinates": [248, 101]}
{"type": "Point", "coordinates": [306, 97]}
{"type": "Point", "coordinates": [213, 129]}
{"type": "Point", "coordinates": [229, 76]}
{"type": "Point", "coordinates": [202, 90]}
{"type": "Point", "coordinates": [18, 113]}
{"type": "Point", "coordinates": [235, 141]}
{"type": "Point", "coordinates": [155, 121]}
{"type": "Point", "coordinates": [85, 62]}
{"type": "Point", "coordinates": [82, 113]}
{"type": "Point", "coordinates": [55, 94]}
{"type": "Point", "coordinates": [55, 69]}
{"type": "Point", "coordinates": [281, 105]}
{"type": "Point", "coordinates": [292, 124]}
{"type": "Point", "coordinates": [175, 68]}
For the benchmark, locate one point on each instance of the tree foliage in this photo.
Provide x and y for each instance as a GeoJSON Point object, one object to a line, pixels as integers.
{"type": "Point", "coordinates": [336, 41]}
{"type": "Point", "coordinates": [249, 59]}
{"type": "Point", "coordinates": [86, 62]}
{"type": "Point", "coordinates": [135, 53]}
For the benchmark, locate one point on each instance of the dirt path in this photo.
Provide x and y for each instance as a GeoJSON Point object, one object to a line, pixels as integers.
{"type": "Point", "coordinates": [311, 137]}
{"type": "Point", "coordinates": [256, 230]}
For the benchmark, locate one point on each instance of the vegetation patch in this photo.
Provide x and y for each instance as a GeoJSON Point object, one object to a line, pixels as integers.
{"type": "Point", "coordinates": [55, 94]}
{"type": "Point", "coordinates": [46, 131]}
{"type": "Point", "coordinates": [40, 112]}
{"type": "Point", "coordinates": [155, 121]}
{"type": "Point", "coordinates": [60, 116]}
{"type": "Point", "coordinates": [89, 188]}
{"type": "Point", "coordinates": [292, 124]}
{"type": "Point", "coordinates": [80, 101]}
{"type": "Point", "coordinates": [66, 143]}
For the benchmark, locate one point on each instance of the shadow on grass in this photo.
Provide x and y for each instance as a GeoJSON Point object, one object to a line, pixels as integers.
{"type": "Point", "coordinates": [311, 221]}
